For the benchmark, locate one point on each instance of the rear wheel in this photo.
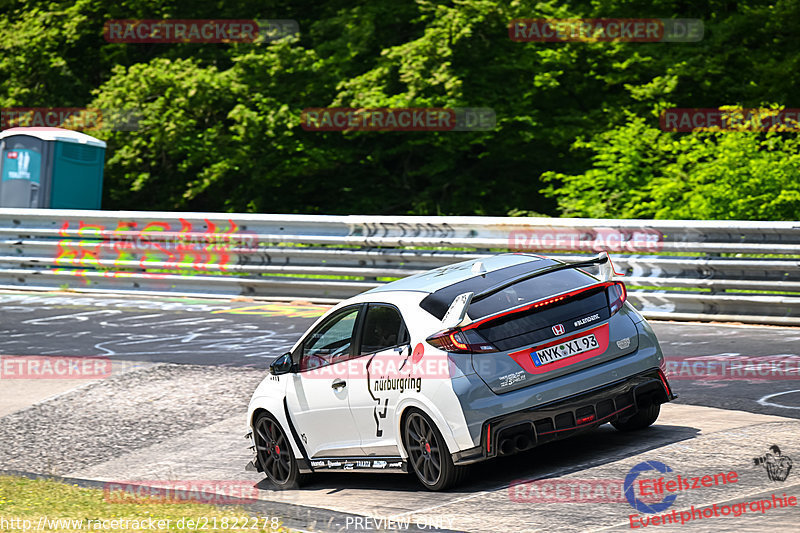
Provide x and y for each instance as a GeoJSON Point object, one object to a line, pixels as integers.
{"type": "Point", "coordinates": [428, 455]}
{"type": "Point", "coordinates": [642, 419]}
{"type": "Point", "coordinates": [274, 453]}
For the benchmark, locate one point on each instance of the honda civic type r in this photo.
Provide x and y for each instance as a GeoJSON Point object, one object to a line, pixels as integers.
{"type": "Point", "coordinates": [446, 368]}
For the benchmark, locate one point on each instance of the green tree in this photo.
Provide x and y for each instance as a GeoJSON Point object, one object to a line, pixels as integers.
{"type": "Point", "coordinates": [642, 172]}
{"type": "Point", "coordinates": [220, 124]}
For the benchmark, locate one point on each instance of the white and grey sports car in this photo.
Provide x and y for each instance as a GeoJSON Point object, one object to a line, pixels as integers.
{"type": "Point", "coordinates": [440, 370]}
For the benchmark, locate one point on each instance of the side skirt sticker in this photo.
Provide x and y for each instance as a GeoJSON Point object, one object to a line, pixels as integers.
{"type": "Point", "coordinates": [361, 464]}
{"type": "Point", "coordinates": [296, 437]}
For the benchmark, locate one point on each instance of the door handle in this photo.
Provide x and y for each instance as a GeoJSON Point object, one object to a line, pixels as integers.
{"type": "Point", "coordinates": [338, 384]}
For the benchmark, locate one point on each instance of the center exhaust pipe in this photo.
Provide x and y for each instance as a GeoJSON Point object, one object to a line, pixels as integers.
{"type": "Point", "coordinates": [522, 442]}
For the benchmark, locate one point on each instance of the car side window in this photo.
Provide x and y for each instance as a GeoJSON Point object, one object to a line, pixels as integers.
{"type": "Point", "coordinates": [330, 342]}
{"type": "Point", "coordinates": [383, 328]}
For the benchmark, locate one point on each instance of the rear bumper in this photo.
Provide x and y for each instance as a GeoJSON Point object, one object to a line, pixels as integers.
{"type": "Point", "coordinates": [527, 428]}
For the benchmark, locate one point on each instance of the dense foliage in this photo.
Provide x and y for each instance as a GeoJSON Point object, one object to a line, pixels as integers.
{"type": "Point", "coordinates": [577, 123]}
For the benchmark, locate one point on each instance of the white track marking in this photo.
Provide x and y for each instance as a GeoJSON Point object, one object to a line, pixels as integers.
{"type": "Point", "coordinates": [763, 401]}
{"type": "Point", "coordinates": [78, 317]}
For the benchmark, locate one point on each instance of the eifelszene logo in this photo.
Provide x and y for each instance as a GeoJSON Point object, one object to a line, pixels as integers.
{"type": "Point", "coordinates": [650, 488]}
{"type": "Point", "coordinates": [630, 495]}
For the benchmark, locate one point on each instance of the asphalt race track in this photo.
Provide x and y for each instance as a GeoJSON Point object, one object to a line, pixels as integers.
{"type": "Point", "coordinates": [252, 334]}
{"type": "Point", "coordinates": [173, 408]}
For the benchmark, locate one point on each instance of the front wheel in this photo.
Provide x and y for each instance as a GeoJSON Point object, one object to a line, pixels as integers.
{"type": "Point", "coordinates": [428, 454]}
{"type": "Point", "coordinates": [274, 453]}
{"type": "Point", "coordinates": [642, 419]}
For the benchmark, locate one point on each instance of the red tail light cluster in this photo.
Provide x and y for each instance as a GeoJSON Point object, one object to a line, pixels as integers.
{"type": "Point", "coordinates": [460, 341]}
{"type": "Point", "coordinates": [617, 294]}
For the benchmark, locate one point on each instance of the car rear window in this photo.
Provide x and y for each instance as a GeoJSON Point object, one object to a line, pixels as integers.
{"type": "Point", "coordinates": [528, 327]}
{"type": "Point", "coordinates": [529, 291]}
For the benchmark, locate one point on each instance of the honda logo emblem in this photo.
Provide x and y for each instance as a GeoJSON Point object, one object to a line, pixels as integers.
{"type": "Point", "coordinates": [558, 329]}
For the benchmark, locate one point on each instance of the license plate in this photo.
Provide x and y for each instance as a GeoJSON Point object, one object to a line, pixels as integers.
{"type": "Point", "coordinates": [548, 355]}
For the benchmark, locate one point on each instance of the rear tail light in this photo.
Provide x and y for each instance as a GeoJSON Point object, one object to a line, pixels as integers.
{"type": "Point", "coordinates": [663, 379]}
{"type": "Point", "coordinates": [617, 294]}
{"type": "Point", "coordinates": [460, 341]}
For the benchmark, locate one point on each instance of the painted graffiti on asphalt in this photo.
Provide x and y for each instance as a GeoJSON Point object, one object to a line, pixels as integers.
{"type": "Point", "coordinates": [111, 329]}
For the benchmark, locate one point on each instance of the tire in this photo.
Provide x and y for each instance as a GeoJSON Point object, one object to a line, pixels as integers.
{"type": "Point", "coordinates": [642, 419]}
{"type": "Point", "coordinates": [274, 452]}
{"type": "Point", "coordinates": [428, 456]}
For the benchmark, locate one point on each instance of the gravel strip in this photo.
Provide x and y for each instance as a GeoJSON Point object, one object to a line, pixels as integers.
{"type": "Point", "coordinates": [218, 451]}
{"type": "Point", "coordinates": [121, 414]}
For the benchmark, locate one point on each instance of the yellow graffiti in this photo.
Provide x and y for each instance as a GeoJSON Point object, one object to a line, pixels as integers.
{"type": "Point", "coordinates": [279, 309]}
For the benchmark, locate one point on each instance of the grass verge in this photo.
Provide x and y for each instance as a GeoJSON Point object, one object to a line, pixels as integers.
{"type": "Point", "coordinates": [45, 505]}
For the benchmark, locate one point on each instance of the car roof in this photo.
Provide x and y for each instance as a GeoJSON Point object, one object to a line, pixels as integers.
{"type": "Point", "coordinates": [438, 278]}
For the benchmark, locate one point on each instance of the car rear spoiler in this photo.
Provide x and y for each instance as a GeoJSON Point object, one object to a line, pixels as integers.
{"type": "Point", "coordinates": [456, 315]}
{"type": "Point", "coordinates": [602, 259]}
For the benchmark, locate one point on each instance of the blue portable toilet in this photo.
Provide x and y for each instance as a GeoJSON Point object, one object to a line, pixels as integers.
{"type": "Point", "coordinates": [50, 168]}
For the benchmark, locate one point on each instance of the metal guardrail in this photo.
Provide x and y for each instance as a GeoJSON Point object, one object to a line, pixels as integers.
{"type": "Point", "coordinates": [684, 270]}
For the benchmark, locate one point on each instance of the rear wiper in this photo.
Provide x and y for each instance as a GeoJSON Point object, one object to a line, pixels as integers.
{"type": "Point", "coordinates": [600, 260]}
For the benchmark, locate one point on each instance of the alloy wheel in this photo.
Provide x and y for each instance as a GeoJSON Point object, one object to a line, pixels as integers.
{"type": "Point", "coordinates": [423, 449]}
{"type": "Point", "coordinates": [273, 450]}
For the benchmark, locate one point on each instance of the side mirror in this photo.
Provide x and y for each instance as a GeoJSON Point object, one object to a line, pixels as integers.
{"type": "Point", "coordinates": [281, 365]}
